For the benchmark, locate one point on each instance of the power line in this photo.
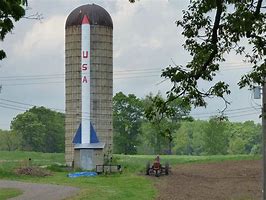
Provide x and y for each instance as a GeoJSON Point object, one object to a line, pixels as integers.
{"type": "Point", "coordinates": [43, 77]}
{"type": "Point", "coordinates": [62, 82]}
{"type": "Point", "coordinates": [12, 108]}
{"type": "Point", "coordinates": [116, 72]}
{"type": "Point", "coordinates": [86, 118]}
{"type": "Point", "coordinates": [31, 105]}
{"type": "Point", "coordinates": [7, 104]}
{"type": "Point", "coordinates": [121, 72]}
{"type": "Point", "coordinates": [229, 111]}
{"type": "Point", "coordinates": [232, 113]}
{"type": "Point", "coordinates": [37, 83]}
{"type": "Point", "coordinates": [235, 116]}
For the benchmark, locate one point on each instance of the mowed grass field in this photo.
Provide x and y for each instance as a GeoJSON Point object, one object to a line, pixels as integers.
{"type": "Point", "coordinates": [131, 184]}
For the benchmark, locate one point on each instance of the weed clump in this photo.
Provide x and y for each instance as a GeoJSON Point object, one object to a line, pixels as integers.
{"type": "Point", "coordinates": [32, 171]}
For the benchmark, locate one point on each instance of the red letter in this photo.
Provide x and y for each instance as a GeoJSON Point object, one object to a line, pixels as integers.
{"type": "Point", "coordinates": [84, 67]}
{"type": "Point", "coordinates": [86, 55]}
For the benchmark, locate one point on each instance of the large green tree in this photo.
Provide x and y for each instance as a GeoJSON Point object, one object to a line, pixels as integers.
{"type": "Point", "coordinates": [127, 118]}
{"type": "Point", "coordinates": [41, 129]}
{"type": "Point", "coordinates": [10, 10]}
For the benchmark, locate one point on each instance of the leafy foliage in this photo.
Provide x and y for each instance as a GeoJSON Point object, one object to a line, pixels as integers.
{"type": "Point", "coordinates": [209, 39]}
{"type": "Point", "coordinates": [215, 137]}
{"type": "Point", "coordinates": [127, 117]}
{"type": "Point", "coordinates": [9, 140]}
{"type": "Point", "coordinates": [164, 118]}
{"type": "Point", "coordinates": [188, 138]}
{"type": "Point", "coordinates": [245, 138]}
{"type": "Point", "coordinates": [218, 136]}
{"type": "Point", "coordinates": [41, 129]}
{"type": "Point", "coordinates": [10, 10]}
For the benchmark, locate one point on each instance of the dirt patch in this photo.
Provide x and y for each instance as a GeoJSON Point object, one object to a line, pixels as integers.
{"type": "Point", "coordinates": [229, 180]}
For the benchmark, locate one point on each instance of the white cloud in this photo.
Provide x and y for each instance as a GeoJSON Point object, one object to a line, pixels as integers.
{"type": "Point", "coordinates": [43, 37]}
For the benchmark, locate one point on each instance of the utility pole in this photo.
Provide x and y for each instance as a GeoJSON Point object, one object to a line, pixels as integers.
{"type": "Point", "coordinates": [257, 95]}
{"type": "Point", "coordinates": [264, 137]}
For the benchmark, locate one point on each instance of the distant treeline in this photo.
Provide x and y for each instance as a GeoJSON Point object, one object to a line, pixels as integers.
{"type": "Point", "coordinates": [136, 132]}
{"type": "Point", "coordinates": [140, 127]}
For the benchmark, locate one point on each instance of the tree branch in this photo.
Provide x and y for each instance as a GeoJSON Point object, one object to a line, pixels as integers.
{"type": "Point", "coordinates": [214, 37]}
{"type": "Point", "coordinates": [258, 7]}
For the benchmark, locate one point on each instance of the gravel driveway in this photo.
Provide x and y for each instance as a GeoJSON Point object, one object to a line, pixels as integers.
{"type": "Point", "coordinates": [34, 191]}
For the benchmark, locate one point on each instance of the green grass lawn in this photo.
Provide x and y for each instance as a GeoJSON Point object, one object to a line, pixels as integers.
{"type": "Point", "coordinates": [6, 193]}
{"type": "Point", "coordinates": [131, 184]}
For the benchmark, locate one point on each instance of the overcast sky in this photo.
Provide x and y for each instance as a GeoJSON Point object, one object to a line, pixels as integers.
{"type": "Point", "coordinates": [146, 40]}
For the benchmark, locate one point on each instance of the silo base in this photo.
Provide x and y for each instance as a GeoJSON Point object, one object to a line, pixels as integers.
{"type": "Point", "coordinates": [88, 158]}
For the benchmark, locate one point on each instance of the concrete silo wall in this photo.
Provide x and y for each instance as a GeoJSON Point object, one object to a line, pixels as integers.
{"type": "Point", "coordinates": [102, 83]}
{"type": "Point", "coordinates": [72, 88]}
{"type": "Point", "coordinates": [101, 40]}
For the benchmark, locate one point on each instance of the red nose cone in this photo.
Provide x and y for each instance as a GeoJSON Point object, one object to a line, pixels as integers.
{"type": "Point", "coordinates": [85, 20]}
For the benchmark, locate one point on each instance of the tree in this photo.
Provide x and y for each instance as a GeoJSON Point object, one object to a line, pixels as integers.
{"type": "Point", "coordinates": [215, 137]}
{"type": "Point", "coordinates": [153, 137]}
{"type": "Point", "coordinates": [188, 138]}
{"type": "Point", "coordinates": [244, 138]}
{"type": "Point", "coordinates": [10, 10]}
{"type": "Point", "coordinates": [165, 118]}
{"type": "Point", "coordinates": [127, 118]}
{"type": "Point", "coordinates": [9, 140]}
{"type": "Point", "coordinates": [41, 129]}
{"type": "Point", "coordinates": [208, 39]}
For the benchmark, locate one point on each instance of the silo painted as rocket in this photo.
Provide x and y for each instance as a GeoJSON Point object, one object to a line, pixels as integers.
{"type": "Point", "coordinates": [89, 86]}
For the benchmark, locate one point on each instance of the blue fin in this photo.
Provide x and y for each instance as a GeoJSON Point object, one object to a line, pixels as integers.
{"type": "Point", "coordinates": [94, 138]}
{"type": "Point", "coordinates": [77, 138]}
{"type": "Point", "coordinates": [93, 135]}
